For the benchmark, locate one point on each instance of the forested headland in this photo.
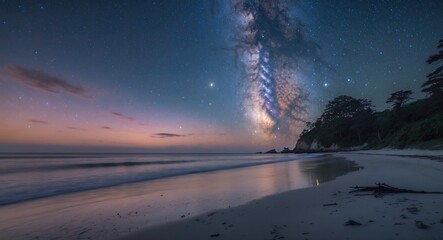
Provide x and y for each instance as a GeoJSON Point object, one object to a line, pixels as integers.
{"type": "Point", "coordinates": [348, 123]}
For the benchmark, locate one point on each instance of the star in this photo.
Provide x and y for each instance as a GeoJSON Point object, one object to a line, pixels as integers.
{"type": "Point", "coordinates": [211, 84]}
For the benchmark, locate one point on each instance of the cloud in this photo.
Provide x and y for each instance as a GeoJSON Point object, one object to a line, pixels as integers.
{"type": "Point", "coordinates": [38, 121]}
{"type": "Point", "coordinates": [122, 116]}
{"type": "Point", "coordinates": [169, 135]}
{"type": "Point", "coordinates": [106, 127]}
{"type": "Point", "coordinates": [75, 128]}
{"type": "Point", "coordinates": [42, 81]}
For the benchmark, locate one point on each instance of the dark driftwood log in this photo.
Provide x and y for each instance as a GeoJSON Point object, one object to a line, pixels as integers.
{"type": "Point", "coordinates": [381, 188]}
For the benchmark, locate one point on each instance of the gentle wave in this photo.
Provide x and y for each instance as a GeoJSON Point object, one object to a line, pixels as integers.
{"type": "Point", "coordinates": [46, 180]}
{"type": "Point", "coordinates": [90, 165]}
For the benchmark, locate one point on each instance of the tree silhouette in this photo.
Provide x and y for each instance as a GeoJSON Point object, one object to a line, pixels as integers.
{"type": "Point", "coordinates": [399, 98]}
{"type": "Point", "coordinates": [434, 84]}
{"type": "Point", "coordinates": [345, 107]}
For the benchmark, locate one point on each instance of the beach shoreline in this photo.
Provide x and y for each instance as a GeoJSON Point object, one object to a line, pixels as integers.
{"type": "Point", "coordinates": [115, 211]}
{"type": "Point", "coordinates": [266, 201]}
{"type": "Point", "coordinates": [322, 212]}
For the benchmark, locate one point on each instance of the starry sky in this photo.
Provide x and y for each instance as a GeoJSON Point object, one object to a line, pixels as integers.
{"type": "Point", "coordinates": [178, 76]}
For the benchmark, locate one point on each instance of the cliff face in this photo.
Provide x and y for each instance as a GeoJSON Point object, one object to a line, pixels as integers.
{"type": "Point", "coordinates": [303, 146]}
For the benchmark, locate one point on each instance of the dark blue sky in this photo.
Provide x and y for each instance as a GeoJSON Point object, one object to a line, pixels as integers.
{"type": "Point", "coordinates": [169, 67]}
{"type": "Point", "coordinates": [381, 46]}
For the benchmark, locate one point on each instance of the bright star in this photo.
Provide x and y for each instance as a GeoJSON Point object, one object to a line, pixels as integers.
{"type": "Point", "coordinates": [211, 84]}
{"type": "Point", "coordinates": [326, 84]}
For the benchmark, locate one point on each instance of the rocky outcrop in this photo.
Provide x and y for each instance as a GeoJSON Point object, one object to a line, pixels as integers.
{"type": "Point", "coordinates": [272, 151]}
{"type": "Point", "coordinates": [286, 150]}
{"type": "Point", "coordinates": [303, 146]}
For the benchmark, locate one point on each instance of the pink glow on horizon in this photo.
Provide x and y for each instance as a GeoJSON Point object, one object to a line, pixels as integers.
{"type": "Point", "coordinates": [34, 117]}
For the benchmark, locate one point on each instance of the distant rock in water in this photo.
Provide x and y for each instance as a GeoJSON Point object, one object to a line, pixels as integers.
{"type": "Point", "coordinates": [286, 150]}
{"type": "Point", "coordinates": [272, 151]}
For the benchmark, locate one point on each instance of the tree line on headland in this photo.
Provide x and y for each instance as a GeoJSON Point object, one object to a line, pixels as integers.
{"type": "Point", "coordinates": [348, 123]}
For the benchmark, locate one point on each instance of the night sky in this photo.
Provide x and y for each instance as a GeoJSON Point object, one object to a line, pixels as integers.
{"type": "Point", "coordinates": [199, 76]}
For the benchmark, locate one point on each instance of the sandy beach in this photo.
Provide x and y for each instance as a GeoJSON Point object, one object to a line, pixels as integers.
{"type": "Point", "coordinates": [321, 212]}
{"type": "Point", "coordinates": [291, 197]}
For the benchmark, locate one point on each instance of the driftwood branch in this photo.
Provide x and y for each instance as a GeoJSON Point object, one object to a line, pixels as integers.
{"type": "Point", "coordinates": [381, 188]}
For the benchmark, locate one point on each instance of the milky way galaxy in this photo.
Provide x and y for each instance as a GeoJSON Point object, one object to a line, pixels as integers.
{"type": "Point", "coordinates": [273, 50]}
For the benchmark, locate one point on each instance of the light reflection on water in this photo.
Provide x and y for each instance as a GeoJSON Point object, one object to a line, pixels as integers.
{"type": "Point", "coordinates": [29, 176]}
{"type": "Point", "coordinates": [111, 212]}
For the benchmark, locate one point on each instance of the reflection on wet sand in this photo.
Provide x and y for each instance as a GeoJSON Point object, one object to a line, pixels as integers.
{"type": "Point", "coordinates": [326, 169]}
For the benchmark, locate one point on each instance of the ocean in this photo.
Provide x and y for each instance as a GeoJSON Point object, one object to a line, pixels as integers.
{"type": "Point", "coordinates": [29, 176]}
{"type": "Point", "coordinates": [104, 196]}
